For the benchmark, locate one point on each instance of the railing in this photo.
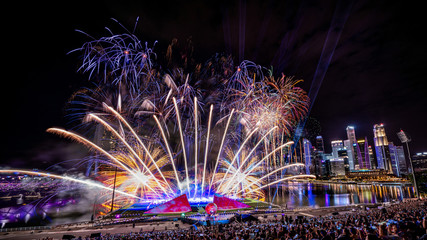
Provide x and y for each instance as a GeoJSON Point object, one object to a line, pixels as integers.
{"type": "Point", "coordinates": [25, 228]}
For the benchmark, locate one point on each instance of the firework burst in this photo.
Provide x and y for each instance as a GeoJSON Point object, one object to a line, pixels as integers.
{"type": "Point", "coordinates": [162, 135]}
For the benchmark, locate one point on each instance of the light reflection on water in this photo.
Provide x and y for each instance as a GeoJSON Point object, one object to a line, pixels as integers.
{"type": "Point", "coordinates": [296, 194]}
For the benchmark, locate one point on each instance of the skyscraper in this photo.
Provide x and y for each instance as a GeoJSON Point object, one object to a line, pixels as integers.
{"type": "Point", "coordinates": [398, 160]}
{"type": "Point", "coordinates": [364, 161]}
{"type": "Point", "coordinates": [381, 148]}
{"type": "Point", "coordinates": [354, 157]}
{"type": "Point", "coordinates": [350, 154]}
{"type": "Point", "coordinates": [403, 167]}
{"type": "Point", "coordinates": [394, 159]}
{"type": "Point", "coordinates": [372, 157]}
{"type": "Point", "coordinates": [336, 145]}
{"type": "Point", "coordinates": [351, 134]}
{"type": "Point", "coordinates": [307, 155]}
{"type": "Point", "coordinates": [343, 154]}
{"type": "Point", "coordinates": [320, 146]}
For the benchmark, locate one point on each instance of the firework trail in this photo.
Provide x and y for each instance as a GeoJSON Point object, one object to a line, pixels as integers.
{"type": "Point", "coordinates": [159, 133]}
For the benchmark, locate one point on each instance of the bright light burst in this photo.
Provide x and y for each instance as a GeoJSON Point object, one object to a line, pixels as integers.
{"type": "Point", "coordinates": [164, 135]}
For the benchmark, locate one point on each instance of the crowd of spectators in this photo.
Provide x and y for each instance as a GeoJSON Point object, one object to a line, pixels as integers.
{"type": "Point", "coordinates": [398, 221]}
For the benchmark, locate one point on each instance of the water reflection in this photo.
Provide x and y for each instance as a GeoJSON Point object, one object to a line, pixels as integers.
{"type": "Point", "coordinates": [295, 194]}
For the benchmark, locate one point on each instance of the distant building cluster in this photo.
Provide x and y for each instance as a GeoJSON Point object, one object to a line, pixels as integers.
{"type": "Point", "coordinates": [419, 161]}
{"type": "Point", "coordinates": [356, 157]}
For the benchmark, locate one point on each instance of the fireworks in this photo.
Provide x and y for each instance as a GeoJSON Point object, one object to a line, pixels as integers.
{"type": "Point", "coordinates": [118, 59]}
{"type": "Point", "coordinates": [164, 135]}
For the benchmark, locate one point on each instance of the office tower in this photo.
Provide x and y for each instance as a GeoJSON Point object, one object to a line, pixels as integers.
{"type": "Point", "coordinates": [419, 162]}
{"type": "Point", "coordinates": [336, 145]}
{"type": "Point", "coordinates": [364, 161]}
{"type": "Point", "coordinates": [381, 148]}
{"type": "Point", "coordinates": [351, 134]}
{"type": "Point", "coordinates": [366, 155]}
{"type": "Point", "coordinates": [403, 166]}
{"type": "Point", "coordinates": [337, 167]}
{"type": "Point", "coordinates": [394, 159]}
{"type": "Point", "coordinates": [317, 163]}
{"type": "Point", "coordinates": [354, 151]}
{"type": "Point", "coordinates": [356, 155]}
{"type": "Point", "coordinates": [307, 154]}
{"type": "Point", "coordinates": [398, 160]}
{"type": "Point", "coordinates": [342, 154]}
{"type": "Point", "coordinates": [349, 147]}
{"type": "Point", "coordinates": [320, 147]}
{"type": "Point", "coordinates": [325, 166]}
{"type": "Point", "coordinates": [372, 158]}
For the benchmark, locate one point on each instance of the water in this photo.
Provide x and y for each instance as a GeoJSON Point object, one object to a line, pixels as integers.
{"type": "Point", "coordinates": [296, 194]}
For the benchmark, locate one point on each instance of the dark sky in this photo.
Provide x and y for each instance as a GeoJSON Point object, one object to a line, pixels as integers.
{"type": "Point", "coordinates": [376, 74]}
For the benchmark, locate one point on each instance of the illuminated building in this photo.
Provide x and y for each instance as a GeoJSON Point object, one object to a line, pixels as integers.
{"type": "Point", "coordinates": [382, 148]}
{"type": "Point", "coordinates": [307, 154]}
{"type": "Point", "coordinates": [336, 145]}
{"type": "Point", "coordinates": [352, 148]}
{"type": "Point", "coordinates": [394, 159]}
{"type": "Point", "coordinates": [364, 161]}
{"type": "Point", "coordinates": [342, 154]}
{"type": "Point", "coordinates": [350, 154]}
{"type": "Point", "coordinates": [419, 162]}
{"type": "Point", "coordinates": [319, 158]}
{"type": "Point", "coordinates": [372, 158]}
{"type": "Point", "coordinates": [320, 146]}
{"type": "Point", "coordinates": [337, 167]}
{"type": "Point", "coordinates": [357, 157]}
{"type": "Point", "coordinates": [325, 166]}
{"type": "Point", "coordinates": [351, 134]}
{"type": "Point", "coordinates": [398, 160]}
{"type": "Point", "coordinates": [403, 163]}
{"type": "Point", "coordinates": [368, 173]}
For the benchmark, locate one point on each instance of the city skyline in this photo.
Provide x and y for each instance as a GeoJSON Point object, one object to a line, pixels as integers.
{"type": "Point", "coordinates": [392, 135]}
{"type": "Point", "coordinates": [354, 154]}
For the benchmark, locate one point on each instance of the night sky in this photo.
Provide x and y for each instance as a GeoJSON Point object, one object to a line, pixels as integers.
{"type": "Point", "coordinates": [376, 74]}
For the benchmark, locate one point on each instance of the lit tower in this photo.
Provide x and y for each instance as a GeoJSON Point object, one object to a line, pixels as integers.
{"type": "Point", "coordinates": [354, 157]}
{"type": "Point", "coordinates": [307, 154]}
{"type": "Point", "coordinates": [351, 134]}
{"type": "Point", "coordinates": [364, 161]}
{"type": "Point", "coordinates": [366, 155]}
{"type": "Point", "coordinates": [382, 148]}
{"type": "Point", "coordinates": [336, 145]}
{"type": "Point", "coordinates": [372, 161]}
{"type": "Point", "coordinates": [349, 148]}
{"type": "Point", "coordinates": [320, 146]}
